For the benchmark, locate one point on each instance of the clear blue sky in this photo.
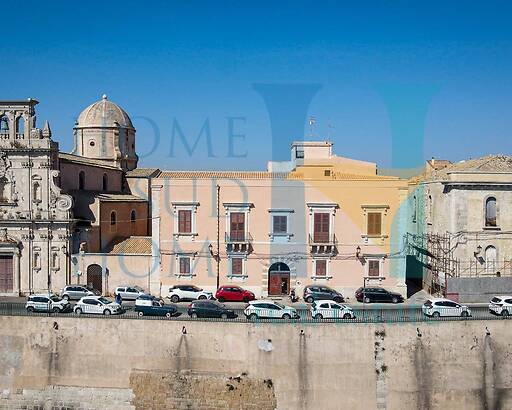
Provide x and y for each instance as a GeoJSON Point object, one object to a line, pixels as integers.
{"type": "Point", "coordinates": [187, 61]}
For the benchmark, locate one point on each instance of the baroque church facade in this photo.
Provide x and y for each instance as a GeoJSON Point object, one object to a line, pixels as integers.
{"type": "Point", "coordinates": [57, 207]}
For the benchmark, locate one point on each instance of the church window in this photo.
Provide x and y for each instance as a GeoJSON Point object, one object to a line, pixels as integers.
{"type": "Point", "coordinates": [105, 182]}
{"type": "Point", "coordinates": [4, 125]}
{"type": "Point", "coordinates": [81, 180]}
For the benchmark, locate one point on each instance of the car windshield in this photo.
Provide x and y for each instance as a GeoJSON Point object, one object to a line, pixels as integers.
{"type": "Point", "coordinates": [103, 300]}
{"type": "Point", "coordinates": [496, 300]}
{"type": "Point", "coordinates": [278, 304]}
{"type": "Point", "coordinates": [89, 288]}
{"type": "Point", "coordinates": [138, 288]}
{"type": "Point", "coordinates": [196, 289]}
{"type": "Point", "coordinates": [55, 298]}
{"type": "Point", "coordinates": [428, 303]}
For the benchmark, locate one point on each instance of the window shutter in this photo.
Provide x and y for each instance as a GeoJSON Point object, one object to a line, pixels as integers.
{"type": "Point", "coordinates": [184, 265]}
{"type": "Point", "coordinates": [373, 268]}
{"type": "Point", "coordinates": [184, 221]}
{"type": "Point", "coordinates": [321, 267]}
{"type": "Point", "coordinates": [374, 223]}
{"type": "Point", "coordinates": [236, 266]}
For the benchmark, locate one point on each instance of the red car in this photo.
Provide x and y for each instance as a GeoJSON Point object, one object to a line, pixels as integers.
{"type": "Point", "coordinates": [233, 294]}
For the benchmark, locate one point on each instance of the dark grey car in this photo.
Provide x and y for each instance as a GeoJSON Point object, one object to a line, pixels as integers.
{"type": "Point", "coordinates": [321, 292]}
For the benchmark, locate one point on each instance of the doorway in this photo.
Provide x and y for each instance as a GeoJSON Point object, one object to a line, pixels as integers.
{"type": "Point", "coordinates": [6, 274]}
{"type": "Point", "coordinates": [279, 279]}
{"type": "Point", "coordinates": [95, 277]}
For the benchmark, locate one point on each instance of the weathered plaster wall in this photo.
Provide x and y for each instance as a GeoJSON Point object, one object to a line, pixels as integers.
{"type": "Point", "coordinates": [456, 365]}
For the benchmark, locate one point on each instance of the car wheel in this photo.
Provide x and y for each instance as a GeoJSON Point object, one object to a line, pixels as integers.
{"type": "Point", "coordinates": [464, 313]}
{"type": "Point", "coordinates": [394, 300]}
{"type": "Point", "coordinates": [286, 316]}
{"type": "Point", "coordinates": [504, 312]}
{"type": "Point", "coordinates": [347, 316]}
{"type": "Point", "coordinates": [56, 310]}
{"type": "Point", "coordinates": [141, 313]}
{"type": "Point", "coordinates": [193, 315]}
{"type": "Point", "coordinates": [202, 297]}
{"type": "Point", "coordinates": [309, 299]}
{"type": "Point", "coordinates": [253, 316]}
{"type": "Point", "coordinates": [78, 311]}
{"type": "Point", "coordinates": [319, 316]}
{"type": "Point", "coordinates": [221, 299]}
{"type": "Point", "coordinates": [366, 300]}
{"type": "Point", "coordinates": [65, 297]}
{"type": "Point", "coordinates": [436, 314]}
{"type": "Point", "coordinates": [30, 309]}
{"type": "Point", "coordinates": [168, 315]}
{"type": "Point", "coordinates": [175, 298]}
{"type": "Point", "coordinates": [224, 316]}
{"type": "Point", "coordinates": [337, 299]}
{"type": "Point", "coordinates": [107, 312]}
{"type": "Point", "coordinates": [245, 300]}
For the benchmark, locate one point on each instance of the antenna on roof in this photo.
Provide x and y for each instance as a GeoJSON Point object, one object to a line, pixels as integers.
{"type": "Point", "coordinates": [312, 122]}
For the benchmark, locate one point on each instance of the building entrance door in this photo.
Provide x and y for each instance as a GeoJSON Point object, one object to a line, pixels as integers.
{"type": "Point", "coordinates": [95, 277]}
{"type": "Point", "coordinates": [6, 274]}
{"type": "Point", "coordinates": [279, 279]}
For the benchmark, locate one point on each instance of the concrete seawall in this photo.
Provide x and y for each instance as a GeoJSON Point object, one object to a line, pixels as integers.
{"type": "Point", "coordinates": [93, 363]}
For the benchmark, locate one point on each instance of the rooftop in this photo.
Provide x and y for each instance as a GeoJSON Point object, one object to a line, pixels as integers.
{"type": "Point", "coordinates": [487, 164]}
{"type": "Point", "coordinates": [104, 113]}
{"type": "Point", "coordinates": [142, 173]}
{"type": "Point", "coordinates": [77, 159]}
{"type": "Point", "coordinates": [139, 245]}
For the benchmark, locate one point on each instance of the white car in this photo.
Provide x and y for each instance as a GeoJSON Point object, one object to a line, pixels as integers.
{"type": "Point", "coordinates": [328, 309]}
{"type": "Point", "coordinates": [501, 305]}
{"type": "Point", "coordinates": [269, 309]}
{"type": "Point", "coordinates": [97, 305]}
{"type": "Point", "coordinates": [437, 307]}
{"type": "Point", "coordinates": [129, 292]}
{"type": "Point", "coordinates": [47, 303]}
{"type": "Point", "coordinates": [187, 292]}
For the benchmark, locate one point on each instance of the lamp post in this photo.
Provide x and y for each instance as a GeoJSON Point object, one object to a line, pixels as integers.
{"type": "Point", "coordinates": [216, 257]}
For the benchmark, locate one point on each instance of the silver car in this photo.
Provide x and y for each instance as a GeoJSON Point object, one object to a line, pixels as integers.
{"type": "Point", "coordinates": [47, 303]}
{"type": "Point", "coordinates": [129, 292]}
{"type": "Point", "coordinates": [77, 292]}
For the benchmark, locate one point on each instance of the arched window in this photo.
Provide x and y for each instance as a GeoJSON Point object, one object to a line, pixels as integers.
{"type": "Point", "coordinates": [113, 218]}
{"type": "Point", "coordinates": [4, 195]}
{"type": "Point", "coordinates": [4, 124]}
{"type": "Point", "coordinates": [490, 259]}
{"type": "Point", "coordinates": [81, 180]}
{"type": "Point", "coordinates": [430, 208]}
{"type": "Point", "coordinates": [36, 192]}
{"type": "Point", "coordinates": [20, 125]}
{"type": "Point", "coordinates": [490, 211]}
{"type": "Point", "coordinates": [133, 216]}
{"type": "Point", "coordinates": [105, 182]}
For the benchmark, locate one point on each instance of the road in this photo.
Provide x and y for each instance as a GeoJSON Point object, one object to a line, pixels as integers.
{"type": "Point", "coordinates": [365, 313]}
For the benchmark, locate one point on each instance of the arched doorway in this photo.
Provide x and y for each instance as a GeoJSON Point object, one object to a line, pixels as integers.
{"type": "Point", "coordinates": [278, 279]}
{"type": "Point", "coordinates": [95, 277]}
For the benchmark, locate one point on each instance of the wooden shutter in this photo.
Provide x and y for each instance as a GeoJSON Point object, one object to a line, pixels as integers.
{"type": "Point", "coordinates": [374, 223]}
{"type": "Point", "coordinates": [321, 267]}
{"type": "Point", "coordinates": [184, 221]}
{"type": "Point", "coordinates": [237, 226]}
{"type": "Point", "coordinates": [236, 266]}
{"type": "Point", "coordinates": [321, 227]}
{"type": "Point", "coordinates": [184, 265]}
{"type": "Point", "coordinates": [280, 222]}
{"type": "Point", "coordinates": [373, 268]}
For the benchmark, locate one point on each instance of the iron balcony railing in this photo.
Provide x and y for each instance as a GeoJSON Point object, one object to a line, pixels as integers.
{"type": "Point", "coordinates": [322, 239]}
{"type": "Point", "coordinates": [238, 237]}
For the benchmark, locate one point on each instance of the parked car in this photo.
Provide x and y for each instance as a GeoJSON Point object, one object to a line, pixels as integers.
{"type": "Point", "coordinates": [269, 309]}
{"type": "Point", "coordinates": [437, 307]}
{"type": "Point", "coordinates": [47, 303]}
{"type": "Point", "coordinates": [501, 305]}
{"type": "Point", "coordinates": [97, 305]}
{"type": "Point", "coordinates": [76, 292]}
{"type": "Point", "coordinates": [210, 308]}
{"type": "Point", "coordinates": [146, 305]}
{"type": "Point", "coordinates": [129, 292]}
{"type": "Point", "coordinates": [376, 294]}
{"type": "Point", "coordinates": [320, 292]}
{"type": "Point", "coordinates": [327, 309]}
{"type": "Point", "coordinates": [187, 292]}
{"type": "Point", "coordinates": [233, 294]}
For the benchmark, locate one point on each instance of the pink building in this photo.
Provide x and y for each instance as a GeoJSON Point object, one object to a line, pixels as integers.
{"type": "Point", "coordinates": [318, 218]}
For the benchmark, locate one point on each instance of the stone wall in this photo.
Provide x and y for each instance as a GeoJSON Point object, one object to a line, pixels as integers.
{"type": "Point", "coordinates": [478, 290]}
{"type": "Point", "coordinates": [149, 364]}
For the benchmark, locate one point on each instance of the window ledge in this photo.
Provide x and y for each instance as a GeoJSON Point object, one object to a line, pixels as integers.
{"type": "Point", "coordinates": [273, 235]}
{"type": "Point", "coordinates": [381, 236]}
{"type": "Point", "coordinates": [186, 235]}
{"type": "Point", "coordinates": [491, 228]}
{"type": "Point", "coordinates": [321, 277]}
{"type": "Point", "coordinates": [237, 276]}
{"type": "Point", "coordinates": [185, 275]}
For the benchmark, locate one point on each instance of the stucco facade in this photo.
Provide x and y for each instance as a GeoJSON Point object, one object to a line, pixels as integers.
{"type": "Point", "coordinates": [344, 190]}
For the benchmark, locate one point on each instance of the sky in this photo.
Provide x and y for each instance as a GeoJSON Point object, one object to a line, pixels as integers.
{"type": "Point", "coordinates": [392, 82]}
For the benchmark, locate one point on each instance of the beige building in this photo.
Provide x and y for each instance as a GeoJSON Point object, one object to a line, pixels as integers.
{"type": "Point", "coordinates": [316, 219]}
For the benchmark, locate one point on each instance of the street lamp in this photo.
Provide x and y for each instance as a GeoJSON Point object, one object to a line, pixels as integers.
{"type": "Point", "coordinates": [358, 252]}
{"type": "Point", "coordinates": [216, 257]}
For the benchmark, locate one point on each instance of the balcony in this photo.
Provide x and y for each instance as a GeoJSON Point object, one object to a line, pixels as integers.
{"type": "Point", "coordinates": [321, 243]}
{"type": "Point", "coordinates": [238, 242]}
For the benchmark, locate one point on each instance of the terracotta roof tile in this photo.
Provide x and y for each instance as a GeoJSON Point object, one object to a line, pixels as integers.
{"type": "Point", "coordinates": [139, 245]}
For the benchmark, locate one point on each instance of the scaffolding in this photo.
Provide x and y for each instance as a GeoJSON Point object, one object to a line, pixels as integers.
{"type": "Point", "coordinates": [434, 253]}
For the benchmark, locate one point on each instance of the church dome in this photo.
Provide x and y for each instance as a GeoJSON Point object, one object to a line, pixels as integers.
{"type": "Point", "coordinates": [104, 113]}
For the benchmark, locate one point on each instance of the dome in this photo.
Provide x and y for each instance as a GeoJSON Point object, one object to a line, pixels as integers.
{"type": "Point", "coordinates": [104, 113]}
